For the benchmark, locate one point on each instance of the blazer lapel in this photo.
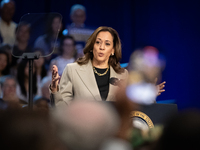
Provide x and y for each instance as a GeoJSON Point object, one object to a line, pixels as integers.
{"type": "Point", "coordinates": [86, 74]}
{"type": "Point", "coordinates": [112, 88]}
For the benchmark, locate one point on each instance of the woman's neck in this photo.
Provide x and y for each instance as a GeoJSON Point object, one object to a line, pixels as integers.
{"type": "Point", "coordinates": [100, 64]}
{"type": "Point", "coordinates": [22, 45]}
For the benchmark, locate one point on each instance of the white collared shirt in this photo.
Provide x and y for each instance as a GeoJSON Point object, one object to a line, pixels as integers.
{"type": "Point", "coordinates": [8, 32]}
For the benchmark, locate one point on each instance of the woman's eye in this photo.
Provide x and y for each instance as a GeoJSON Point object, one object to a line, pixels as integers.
{"type": "Point", "coordinates": [97, 42]}
{"type": "Point", "coordinates": [107, 43]}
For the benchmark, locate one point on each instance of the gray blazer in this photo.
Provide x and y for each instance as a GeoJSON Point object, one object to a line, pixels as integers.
{"type": "Point", "coordinates": [78, 82]}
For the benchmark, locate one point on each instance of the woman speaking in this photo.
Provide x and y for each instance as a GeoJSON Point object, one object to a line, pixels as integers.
{"type": "Point", "coordinates": [88, 77]}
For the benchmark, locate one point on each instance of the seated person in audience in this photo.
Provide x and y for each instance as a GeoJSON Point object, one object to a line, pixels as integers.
{"type": "Point", "coordinates": [77, 28]}
{"type": "Point", "coordinates": [23, 80]}
{"type": "Point", "coordinates": [49, 42]}
{"type": "Point", "coordinates": [22, 42]}
{"type": "Point", "coordinates": [4, 65]}
{"type": "Point", "coordinates": [44, 86]}
{"type": "Point", "coordinates": [9, 92]}
{"type": "Point", "coordinates": [13, 67]}
{"type": "Point", "coordinates": [22, 39]}
{"type": "Point", "coordinates": [7, 26]}
{"type": "Point", "coordinates": [68, 53]}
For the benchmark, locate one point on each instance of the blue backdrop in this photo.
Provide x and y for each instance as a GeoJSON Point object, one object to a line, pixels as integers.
{"type": "Point", "coordinates": [170, 25]}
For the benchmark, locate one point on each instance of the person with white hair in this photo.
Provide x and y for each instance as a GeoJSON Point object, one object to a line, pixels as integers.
{"type": "Point", "coordinates": [77, 28]}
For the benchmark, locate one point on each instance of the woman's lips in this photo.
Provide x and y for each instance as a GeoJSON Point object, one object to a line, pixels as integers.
{"type": "Point", "coordinates": [101, 54]}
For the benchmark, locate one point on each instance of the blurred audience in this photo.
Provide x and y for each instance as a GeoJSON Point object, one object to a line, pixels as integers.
{"type": "Point", "coordinates": [4, 65]}
{"type": "Point", "coordinates": [40, 69]}
{"type": "Point", "coordinates": [22, 42]}
{"type": "Point", "coordinates": [22, 39]}
{"type": "Point", "coordinates": [77, 28]}
{"type": "Point", "coordinates": [23, 80]}
{"type": "Point", "coordinates": [86, 125]}
{"type": "Point", "coordinates": [9, 92]}
{"type": "Point", "coordinates": [68, 53]}
{"type": "Point", "coordinates": [49, 42]}
{"type": "Point", "coordinates": [27, 130]}
{"type": "Point", "coordinates": [145, 67]}
{"type": "Point", "coordinates": [7, 26]}
{"type": "Point", "coordinates": [45, 95]}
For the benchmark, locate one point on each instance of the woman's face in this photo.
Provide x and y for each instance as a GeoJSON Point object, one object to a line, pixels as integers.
{"type": "Point", "coordinates": [68, 47]}
{"type": "Point", "coordinates": [23, 33]}
{"type": "Point", "coordinates": [3, 62]}
{"type": "Point", "coordinates": [56, 25]}
{"type": "Point", "coordinates": [103, 47]}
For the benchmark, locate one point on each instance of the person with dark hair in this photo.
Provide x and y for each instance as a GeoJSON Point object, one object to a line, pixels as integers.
{"type": "Point", "coordinates": [4, 65]}
{"type": "Point", "coordinates": [40, 69]}
{"type": "Point", "coordinates": [22, 39]}
{"type": "Point", "coordinates": [89, 76]}
{"type": "Point", "coordinates": [7, 26]}
{"type": "Point", "coordinates": [49, 42]}
{"type": "Point", "coordinates": [22, 42]}
{"type": "Point", "coordinates": [23, 80]}
{"type": "Point", "coordinates": [68, 53]}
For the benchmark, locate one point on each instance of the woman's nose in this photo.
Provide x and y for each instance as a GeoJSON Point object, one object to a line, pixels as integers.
{"type": "Point", "coordinates": [102, 46]}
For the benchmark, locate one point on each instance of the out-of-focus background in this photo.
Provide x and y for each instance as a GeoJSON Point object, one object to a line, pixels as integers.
{"type": "Point", "coordinates": [172, 26]}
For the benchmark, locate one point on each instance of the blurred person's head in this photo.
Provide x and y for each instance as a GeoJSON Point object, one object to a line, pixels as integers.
{"type": "Point", "coordinates": [23, 32]}
{"type": "Point", "coordinates": [181, 132]}
{"type": "Point", "coordinates": [23, 76]}
{"type": "Point", "coordinates": [68, 46]}
{"type": "Point", "coordinates": [53, 26]}
{"type": "Point", "coordinates": [85, 124]}
{"type": "Point", "coordinates": [103, 45]}
{"type": "Point", "coordinates": [26, 130]}
{"type": "Point", "coordinates": [78, 15]}
{"type": "Point", "coordinates": [7, 10]}
{"type": "Point", "coordinates": [9, 89]}
{"type": "Point", "coordinates": [4, 63]}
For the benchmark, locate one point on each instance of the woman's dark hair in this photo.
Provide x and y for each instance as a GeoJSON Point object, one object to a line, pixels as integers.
{"type": "Point", "coordinates": [23, 23]}
{"type": "Point", "coordinates": [21, 78]}
{"type": "Point", "coordinates": [6, 71]}
{"type": "Point", "coordinates": [114, 60]}
{"type": "Point", "coordinates": [44, 71]}
{"type": "Point", "coordinates": [49, 31]}
{"type": "Point", "coordinates": [62, 42]}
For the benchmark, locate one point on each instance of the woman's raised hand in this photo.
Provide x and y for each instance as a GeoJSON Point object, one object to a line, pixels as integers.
{"type": "Point", "coordinates": [55, 79]}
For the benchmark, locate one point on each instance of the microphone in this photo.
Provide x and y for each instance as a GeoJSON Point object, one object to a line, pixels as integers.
{"type": "Point", "coordinates": [115, 81]}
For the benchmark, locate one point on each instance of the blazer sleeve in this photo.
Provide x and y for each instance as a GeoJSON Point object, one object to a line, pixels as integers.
{"type": "Point", "coordinates": [65, 94]}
